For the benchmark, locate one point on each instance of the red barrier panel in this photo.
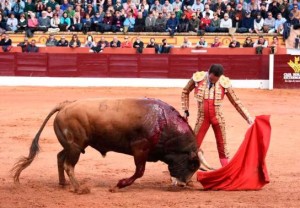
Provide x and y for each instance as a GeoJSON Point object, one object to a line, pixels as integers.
{"type": "Point", "coordinates": [130, 65]}
{"type": "Point", "coordinates": [286, 71]}
{"type": "Point", "coordinates": [7, 64]}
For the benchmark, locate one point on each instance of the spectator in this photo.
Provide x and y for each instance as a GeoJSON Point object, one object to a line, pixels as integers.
{"type": "Point", "coordinates": [144, 4]}
{"type": "Point", "coordinates": [90, 42]}
{"type": "Point", "coordinates": [165, 47]}
{"type": "Point", "coordinates": [129, 23]}
{"type": "Point", "coordinates": [29, 6]}
{"type": "Point", "coordinates": [39, 7]}
{"type": "Point", "coordinates": [12, 23]}
{"type": "Point", "coordinates": [5, 42]}
{"type": "Point", "coordinates": [234, 43]}
{"type": "Point", "coordinates": [156, 6]}
{"type": "Point", "coordinates": [219, 4]}
{"type": "Point", "coordinates": [18, 7]}
{"type": "Point", "coordinates": [205, 22]}
{"type": "Point", "coordinates": [138, 44]}
{"type": "Point", "coordinates": [247, 25]}
{"type": "Point", "coordinates": [260, 44]}
{"type": "Point", "coordinates": [118, 6]}
{"type": "Point", "coordinates": [143, 11]}
{"type": "Point", "coordinates": [186, 43]}
{"type": "Point", "coordinates": [32, 48]}
{"type": "Point", "coordinates": [160, 23]}
{"type": "Point", "coordinates": [70, 12]}
{"type": "Point", "coordinates": [117, 24]}
{"type": "Point", "coordinates": [115, 43]}
{"type": "Point", "coordinates": [58, 11]}
{"type": "Point", "coordinates": [54, 23]}
{"type": "Point", "coordinates": [152, 44]}
{"type": "Point", "coordinates": [87, 24]}
{"type": "Point", "coordinates": [269, 23]}
{"type": "Point", "coordinates": [51, 41]}
{"type": "Point", "coordinates": [183, 25]}
{"type": "Point", "coordinates": [22, 24]}
{"type": "Point", "coordinates": [198, 5]}
{"type": "Point", "coordinates": [167, 6]}
{"type": "Point", "coordinates": [194, 23]}
{"type": "Point", "coordinates": [52, 4]}
{"type": "Point", "coordinates": [65, 5]}
{"type": "Point", "coordinates": [49, 12]}
{"type": "Point", "coordinates": [214, 24]}
{"type": "Point", "coordinates": [90, 11]}
{"type": "Point", "coordinates": [225, 24]}
{"type": "Point", "coordinates": [248, 43]}
{"type": "Point", "coordinates": [102, 43]}
{"type": "Point", "coordinates": [6, 8]}
{"type": "Point", "coordinates": [77, 25]}
{"type": "Point", "coordinates": [263, 10]}
{"type": "Point", "coordinates": [201, 43]}
{"type": "Point", "coordinates": [177, 3]}
{"type": "Point", "coordinates": [139, 25]}
{"type": "Point", "coordinates": [74, 42]}
{"type": "Point", "coordinates": [258, 23]}
{"type": "Point", "coordinates": [44, 22]}
{"type": "Point", "coordinates": [216, 43]}
{"type": "Point", "coordinates": [24, 45]}
{"type": "Point", "coordinates": [32, 24]}
{"type": "Point", "coordinates": [295, 11]}
{"type": "Point", "coordinates": [96, 21]}
{"type": "Point", "coordinates": [62, 42]}
{"type": "Point", "coordinates": [65, 22]}
{"type": "Point", "coordinates": [2, 24]}
{"type": "Point", "coordinates": [107, 23]}
{"type": "Point", "coordinates": [278, 23]}
{"type": "Point", "coordinates": [126, 43]}
{"type": "Point", "coordinates": [274, 8]}
{"type": "Point", "coordinates": [172, 24]}
{"type": "Point", "coordinates": [150, 22]}
{"type": "Point", "coordinates": [274, 45]}
{"type": "Point", "coordinates": [252, 6]}
{"type": "Point", "coordinates": [238, 16]}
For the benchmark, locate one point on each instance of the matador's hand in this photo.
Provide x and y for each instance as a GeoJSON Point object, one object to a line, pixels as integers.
{"type": "Point", "coordinates": [250, 121]}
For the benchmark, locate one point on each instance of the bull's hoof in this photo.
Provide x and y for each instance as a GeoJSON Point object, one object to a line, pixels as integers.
{"type": "Point", "coordinates": [190, 184]}
{"type": "Point", "coordinates": [114, 189]}
{"type": "Point", "coordinates": [63, 183]}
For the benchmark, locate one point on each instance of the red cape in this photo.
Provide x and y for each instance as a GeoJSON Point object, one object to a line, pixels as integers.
{"type": "Point", "coordinates": [247, 170]}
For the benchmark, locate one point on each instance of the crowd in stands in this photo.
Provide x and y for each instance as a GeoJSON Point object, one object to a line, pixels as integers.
{"type": "Point", "coordinates": [173, 16]}
{"type": "Point", "coordinates": [138, 44]}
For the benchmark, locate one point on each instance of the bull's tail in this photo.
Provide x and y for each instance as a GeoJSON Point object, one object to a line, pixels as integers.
{"type": "Point", "coordinates": [24, 162]}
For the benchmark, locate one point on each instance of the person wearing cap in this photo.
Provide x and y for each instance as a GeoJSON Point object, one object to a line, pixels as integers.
{"type": "Point", "coordinates": [44, 22]}
{"type": "Point", "coordinates": [247, 24]}
{"type": "Point", "coordinates": [172, 24]}
{"type": "Point", "coordinates": [63, 42]}
{"type": "Point", "coordinates": [210, 88]}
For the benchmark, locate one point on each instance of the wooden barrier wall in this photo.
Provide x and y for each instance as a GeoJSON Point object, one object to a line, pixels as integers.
{"type": "Point", "coordinates": [130, 65]}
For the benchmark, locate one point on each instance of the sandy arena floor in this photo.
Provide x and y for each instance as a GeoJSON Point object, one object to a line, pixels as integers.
{"type": "Point", "coordinates": [22, 110]}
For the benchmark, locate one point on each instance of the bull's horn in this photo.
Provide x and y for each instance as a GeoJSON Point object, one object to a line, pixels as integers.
{"type": "Point", "coordinates": [203, 160]}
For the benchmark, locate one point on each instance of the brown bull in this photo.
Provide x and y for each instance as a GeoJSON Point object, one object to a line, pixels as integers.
{"type": "Point", "coordinates": [147, 129]}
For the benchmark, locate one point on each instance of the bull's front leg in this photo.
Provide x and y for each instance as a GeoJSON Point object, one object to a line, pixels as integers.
{"type": "Point", "coordinates": [140, 150]}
